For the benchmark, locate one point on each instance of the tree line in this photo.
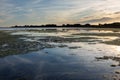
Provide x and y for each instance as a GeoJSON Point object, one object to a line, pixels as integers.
{"type": "Point", "coordinates": [110, 25]}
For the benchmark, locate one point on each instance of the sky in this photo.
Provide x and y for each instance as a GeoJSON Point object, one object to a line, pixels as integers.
{"type": "Point", "coordinates": [37, 12]}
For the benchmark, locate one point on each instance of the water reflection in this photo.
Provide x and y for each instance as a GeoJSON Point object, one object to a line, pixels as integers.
{"type": "Point", "coordinates": [54, 65]}
{"type": "Point", "coordinates": [59, 55]}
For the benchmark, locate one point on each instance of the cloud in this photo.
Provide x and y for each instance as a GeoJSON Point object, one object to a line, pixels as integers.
{"type": "Point", "coordinates": [57, 11]}
{"type": "Point", "coordinates": [101, 20]}
{"type": "Point", "coordinates": [117, 12]}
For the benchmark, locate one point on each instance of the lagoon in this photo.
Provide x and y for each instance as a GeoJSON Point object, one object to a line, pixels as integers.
{"type": "Point", "coordinates": [59, 54]}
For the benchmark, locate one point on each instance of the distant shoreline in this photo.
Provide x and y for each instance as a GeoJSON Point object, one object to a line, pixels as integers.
{"type": "Point", "coordinates": [111, 25]}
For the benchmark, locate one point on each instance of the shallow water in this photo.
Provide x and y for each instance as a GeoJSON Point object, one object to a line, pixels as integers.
{"type": "Point", "coordinates": [77, 58]}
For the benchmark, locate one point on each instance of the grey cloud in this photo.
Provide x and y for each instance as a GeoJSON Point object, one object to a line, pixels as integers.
{"type": "Point", "coordinates": [104, 19]}
{"type": "Point", "coordinates": [117, 12]}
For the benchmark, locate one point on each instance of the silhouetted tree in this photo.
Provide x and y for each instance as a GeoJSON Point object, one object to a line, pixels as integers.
{"type": "Point", "coordinates": [112, 25]}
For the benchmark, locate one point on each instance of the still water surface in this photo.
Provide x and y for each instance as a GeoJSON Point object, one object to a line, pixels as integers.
{"type": "Point", "coordinates": [74, 59]}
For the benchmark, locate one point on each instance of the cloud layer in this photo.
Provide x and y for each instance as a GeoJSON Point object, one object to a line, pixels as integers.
{"type": "Point", "coordinates": [21, 12]}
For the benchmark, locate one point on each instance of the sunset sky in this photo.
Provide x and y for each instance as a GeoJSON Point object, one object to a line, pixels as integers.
{"type": "Point", "coordinates": [37, 12]}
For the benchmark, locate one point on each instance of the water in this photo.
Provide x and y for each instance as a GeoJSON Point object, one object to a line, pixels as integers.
{"type": "Point", "coordinates": [60, 56]}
